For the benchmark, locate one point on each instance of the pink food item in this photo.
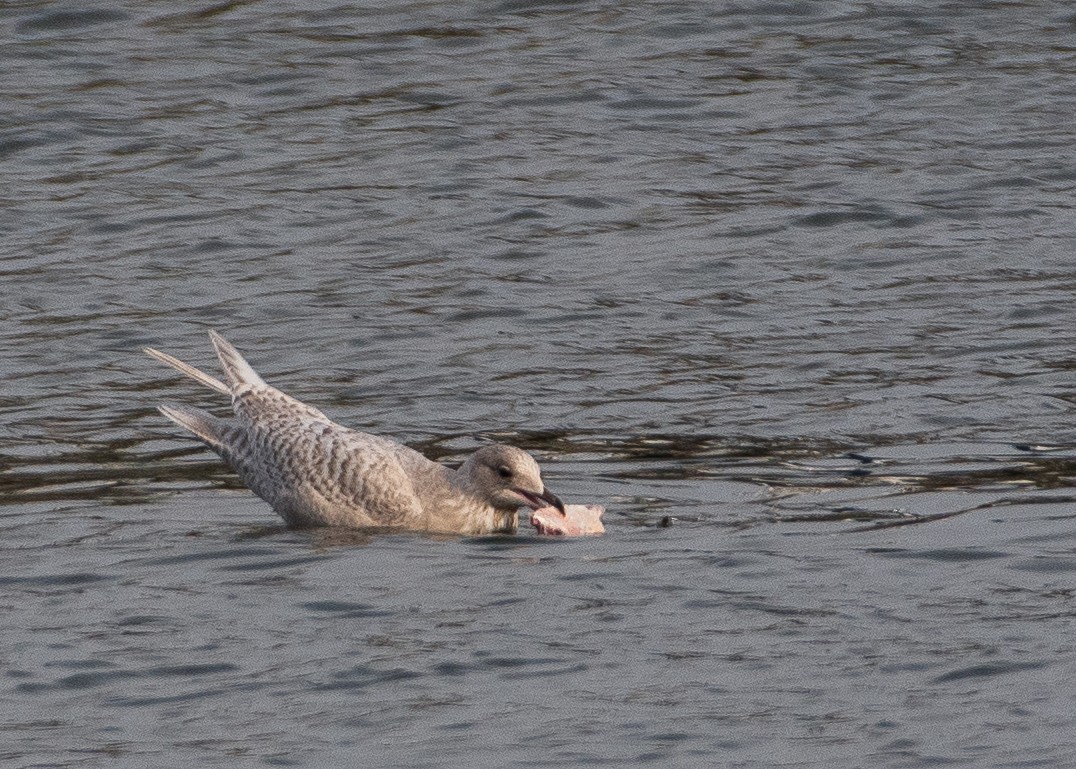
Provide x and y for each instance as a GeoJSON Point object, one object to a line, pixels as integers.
{"type": "Point", "coordinates": [575, 521]}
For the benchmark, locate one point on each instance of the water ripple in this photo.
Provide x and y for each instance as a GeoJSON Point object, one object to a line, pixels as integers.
{"type": "Point", "coordinates": [752, 275]}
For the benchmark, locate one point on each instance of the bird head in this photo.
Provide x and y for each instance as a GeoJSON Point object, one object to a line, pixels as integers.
{"type": "Point", "coordinates": [508, 478]}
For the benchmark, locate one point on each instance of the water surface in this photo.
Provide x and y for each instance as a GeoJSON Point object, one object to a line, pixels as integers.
{"type": "Point", "coordinates": [793, 279]}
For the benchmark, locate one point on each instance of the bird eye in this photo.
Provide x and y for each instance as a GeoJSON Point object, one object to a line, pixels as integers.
{"type": "Point", "coordinates": [504, 472]}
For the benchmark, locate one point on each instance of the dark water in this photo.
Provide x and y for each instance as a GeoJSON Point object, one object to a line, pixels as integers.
{"type": "Point", "coordinates": [797, 277]}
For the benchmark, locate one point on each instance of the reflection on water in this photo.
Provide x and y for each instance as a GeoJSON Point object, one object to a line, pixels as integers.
{"type": "Point", "coordinates": [702, 476]}
{"type": "Point", "coordinates": [787, 287]}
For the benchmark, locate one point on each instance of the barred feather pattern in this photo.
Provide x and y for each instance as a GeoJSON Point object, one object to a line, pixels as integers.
{"type": "Point", "coordinates": [315, 472]}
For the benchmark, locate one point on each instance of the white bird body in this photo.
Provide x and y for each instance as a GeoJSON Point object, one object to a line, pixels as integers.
{"type": "Point", "coordinates": [314, 472]}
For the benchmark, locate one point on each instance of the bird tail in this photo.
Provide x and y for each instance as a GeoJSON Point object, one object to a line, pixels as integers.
{"type": "Point", "coordinates": [213, 431]}
{"type": "Point", "coordinates": [237, 371]}
{"type": "Point", "coordinates": [211, 382]}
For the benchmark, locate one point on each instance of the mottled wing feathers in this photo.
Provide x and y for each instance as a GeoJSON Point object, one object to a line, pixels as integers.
{"type": "Point", "coordinates": [313, 471]}
{"type": "Point", "coordinates": [267, 407]}
{"type": "Point", "coordinates": [358, 471]}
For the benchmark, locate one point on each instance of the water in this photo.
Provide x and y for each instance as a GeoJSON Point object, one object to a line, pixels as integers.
{"type": "Point", "coordinates": [795, 279]}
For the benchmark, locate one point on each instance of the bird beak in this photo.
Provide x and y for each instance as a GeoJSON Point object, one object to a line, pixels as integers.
{"type": "Point", "coordinates": [554, 500]}
{"type": "Point", "coordinates": [541, 500]}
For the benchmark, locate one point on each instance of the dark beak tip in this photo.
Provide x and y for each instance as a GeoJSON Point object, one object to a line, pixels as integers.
{"type": "Point", "coordinates": [558, 504]}
{"type": "Point", "coordinates": [554, 500]}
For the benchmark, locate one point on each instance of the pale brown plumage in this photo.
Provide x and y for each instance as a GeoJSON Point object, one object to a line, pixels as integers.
{"type": "Point", "coordinates": [314, 472]}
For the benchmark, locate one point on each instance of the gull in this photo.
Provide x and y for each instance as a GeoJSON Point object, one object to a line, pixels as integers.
{"type": "Point", "coordinates": [314, 472]}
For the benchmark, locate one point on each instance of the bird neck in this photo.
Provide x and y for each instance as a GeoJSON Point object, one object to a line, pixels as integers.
{"type": "Point", "coordinates": [483, 516]}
